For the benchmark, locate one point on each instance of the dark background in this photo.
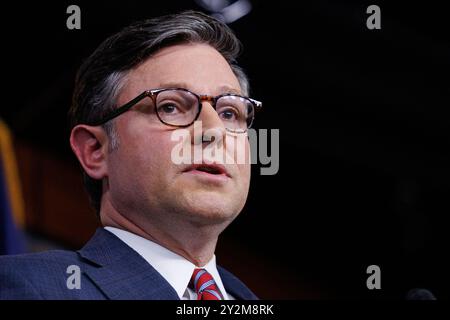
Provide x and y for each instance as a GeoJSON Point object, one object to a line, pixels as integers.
{"type": "Point", "coordinates": [364, 136]}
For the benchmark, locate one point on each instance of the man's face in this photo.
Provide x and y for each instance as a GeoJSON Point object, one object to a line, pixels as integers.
{"type": "Point", "coordinates": [143, 181]}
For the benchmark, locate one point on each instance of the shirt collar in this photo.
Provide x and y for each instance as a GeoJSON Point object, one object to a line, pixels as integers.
{"type": "Point", "coordinates": [176, 269]}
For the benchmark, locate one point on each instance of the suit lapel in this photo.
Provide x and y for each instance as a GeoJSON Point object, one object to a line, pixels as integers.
{"type": "Point", "coordinates": [121, 273]}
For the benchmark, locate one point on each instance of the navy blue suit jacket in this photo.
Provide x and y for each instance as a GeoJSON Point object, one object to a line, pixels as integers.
{"type": "Point", "coordinates": [110, 269]}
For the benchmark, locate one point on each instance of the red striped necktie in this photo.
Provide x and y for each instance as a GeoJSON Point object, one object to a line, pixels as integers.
{"type": "Point", "coordinates": [204, 285]}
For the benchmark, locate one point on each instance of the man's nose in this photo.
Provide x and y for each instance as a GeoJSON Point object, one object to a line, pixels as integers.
{"type": "Point", "coordinates": [210, 123]}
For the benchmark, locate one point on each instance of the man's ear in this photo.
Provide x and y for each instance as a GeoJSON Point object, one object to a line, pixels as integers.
{"type": "Point", "coordinates": [90, 145]}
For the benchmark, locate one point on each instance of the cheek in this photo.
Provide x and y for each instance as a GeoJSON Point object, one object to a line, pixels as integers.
{"type": "Point", "coordinates": [143, 153]}
{"type": "Point", "coordinates": [245, 168]}
{"type": "Point", "coordinates": [153, 154]}
{"type": "Point", "coordinates": [145, 140]}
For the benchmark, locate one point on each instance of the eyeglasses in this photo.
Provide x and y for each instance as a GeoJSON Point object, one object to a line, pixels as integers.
{"type": "Point", "coordinates": [179, 107]}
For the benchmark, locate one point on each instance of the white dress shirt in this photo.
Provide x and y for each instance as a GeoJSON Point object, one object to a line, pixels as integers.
{"type": "Point", "coordinates": [174, 268]}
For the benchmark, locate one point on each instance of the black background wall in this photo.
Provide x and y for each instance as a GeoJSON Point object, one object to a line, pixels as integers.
{"type": "Point", "coordinates": [364, 131]}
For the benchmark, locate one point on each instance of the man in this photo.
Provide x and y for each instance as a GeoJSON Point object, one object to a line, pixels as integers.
{"type": "Point", "coordinates": [161, 218]}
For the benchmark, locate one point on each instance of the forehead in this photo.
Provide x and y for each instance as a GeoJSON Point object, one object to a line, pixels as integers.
{"type": "Point", "coordinates": [197, 67]}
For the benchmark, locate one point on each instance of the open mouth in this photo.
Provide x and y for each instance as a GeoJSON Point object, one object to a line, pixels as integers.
{"type": "Point", "coordinates": [212, 169]}
{"type": "Point", "coordinates": [209, 170]}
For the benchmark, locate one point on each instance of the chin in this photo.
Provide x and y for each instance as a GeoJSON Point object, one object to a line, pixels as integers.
{"type": "Point", "coordinates": [211, 207]}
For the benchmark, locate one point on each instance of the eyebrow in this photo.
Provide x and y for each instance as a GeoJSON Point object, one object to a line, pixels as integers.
{"type": "Point", "coordinates": [184, 85]}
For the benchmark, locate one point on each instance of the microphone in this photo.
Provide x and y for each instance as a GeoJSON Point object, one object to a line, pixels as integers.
{"type": "Point", "coordinates": [420, 294]}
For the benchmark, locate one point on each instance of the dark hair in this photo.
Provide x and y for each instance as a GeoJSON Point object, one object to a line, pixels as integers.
{"type": "Point", "coordinates": [103, 74]}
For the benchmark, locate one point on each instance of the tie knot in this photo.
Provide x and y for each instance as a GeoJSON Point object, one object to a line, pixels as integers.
{"type": "Point", "coordinates": [204, 285]}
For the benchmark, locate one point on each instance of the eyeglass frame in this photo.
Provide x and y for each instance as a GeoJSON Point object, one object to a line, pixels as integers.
{"type": "Point", "coordinates": [153, 93]}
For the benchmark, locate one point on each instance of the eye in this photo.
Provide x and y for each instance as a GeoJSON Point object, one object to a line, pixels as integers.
{"type": "Point", "coordinates": [229, 114]}
{"type": "Point", "coordinates": [168, 108]}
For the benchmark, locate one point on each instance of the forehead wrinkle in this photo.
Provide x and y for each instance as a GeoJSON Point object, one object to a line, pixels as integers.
{"type": "Point", "coordinates": [221, 89]}
{"type": "Point", "coordinates": [141, 79]}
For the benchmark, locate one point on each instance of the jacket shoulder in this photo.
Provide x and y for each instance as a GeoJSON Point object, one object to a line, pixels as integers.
{"type": "Point", "coordinates": [32, 276]}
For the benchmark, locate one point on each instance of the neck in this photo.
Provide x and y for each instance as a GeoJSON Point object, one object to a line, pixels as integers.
{"type": "Point", "coordinates": [192, 241]}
